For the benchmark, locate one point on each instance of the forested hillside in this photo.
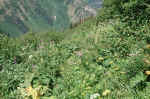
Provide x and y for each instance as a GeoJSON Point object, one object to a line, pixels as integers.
{"type": "Point", "coordinates": [107, 57]}
{"type": "Point", "coordinates": [42, 15]}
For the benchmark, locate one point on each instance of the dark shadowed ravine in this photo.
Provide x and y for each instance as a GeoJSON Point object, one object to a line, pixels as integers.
{"type": "Point", "coordinates": [22, 16]}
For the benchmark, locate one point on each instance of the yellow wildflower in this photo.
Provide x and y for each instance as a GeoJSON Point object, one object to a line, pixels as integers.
{"type": "Point", "coordinates": [123, 72]}
{"type": "Point", "coordinates": [88, 88]}
{"type": "Point", "coordinates": [147, 72]}
{"type": "Point", "coordinates": [106, 92]}
{"type": "Point", "coordinates": [111, 62]}
{"type": "Point", "coordinates": [32, 92]}
{"type": "Point", "coordinates": [100, 58]}
{"type": "Point", "coordinates": [146, 61]}
{"type": "Point", "coordinates": [148, 46]}
{"type": "Point", "coordinates": [116, 68]}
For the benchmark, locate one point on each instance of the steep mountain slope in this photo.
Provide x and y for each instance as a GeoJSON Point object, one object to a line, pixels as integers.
{"type": "Point", "coordinates": [22, 16]}
{"type": "Point", "coordinates": [107, 57]}
{"type": "Point", "coordinates": [80, 63]}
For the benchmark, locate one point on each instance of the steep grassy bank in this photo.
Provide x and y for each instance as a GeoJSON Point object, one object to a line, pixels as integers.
{"type": "Point", "coordinates": [107, 57]}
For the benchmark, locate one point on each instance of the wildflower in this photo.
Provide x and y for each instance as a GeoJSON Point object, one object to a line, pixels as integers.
{"type": "Point", "coordinates": [123, 72]}
{"type": "Point", "coordinates": [146, 61]}
{"type": "Point", "coordinates": [116, 68]}
{"type": "Point", "coordinates": [18, 88]}
{"type": "Point", "coordinates": [42, 59]}
{"type": "Point", "coordinates": [83, 94]}
{"type": "Point", "coordinates": [15, 60]}
{"type": "Point", "coordinates": [99, 59]}
{"type": "Point", "coordinates": [33, 67]}
{"type": "Point", "coordinates": [29, 90]}
{"type": "Point", "coordinates": [41, 41]}
{"type": "Point", "coordinates": [79, 53]}
{"type": "Point", "coordinates": [111, 62]}
{"type": "Point", "coordinates": [147, 72]}
{"type": "Point", "coordinates": [106, 92]}
{"type": "Point", "coordinates": [23, 48]}
{"type": "Point", "coordinates": [88, 88]}
{"type": "Point", "coordinates": [41, 47]}
{"type": "Point", "coordinates": [33, 92]}
{"type": "Point", "coordinates": [94, 96]}
{"type": "Point", "coordinates": [30, 57]}
{"type": "Point", "coordinates": [148, 46]}
{"type": "Point", "coordinates": [87, 63]}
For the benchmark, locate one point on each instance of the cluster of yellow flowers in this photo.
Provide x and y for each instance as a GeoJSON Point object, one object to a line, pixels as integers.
{"type": "Point", "coordinates": [100, 59]}
{"type": "Point", "coordinates": [35, 93]}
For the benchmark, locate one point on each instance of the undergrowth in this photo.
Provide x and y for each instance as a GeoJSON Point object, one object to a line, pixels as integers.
{"type": "Point", "coordinates": [105, 58]}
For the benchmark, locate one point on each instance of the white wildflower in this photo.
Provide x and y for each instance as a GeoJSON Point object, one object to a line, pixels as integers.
{"type": "Point", "coordinates": [78, 53]}
{"type": "Point", "coordinates": [94, 96]}
{"type": "Point", "coordinates": [30, 57]}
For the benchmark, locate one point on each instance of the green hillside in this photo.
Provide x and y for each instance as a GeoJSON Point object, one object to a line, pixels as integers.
{"type": "Point", "coordinates": [107, 57]}
{"type": "Point", "coordinates": [23, 16]}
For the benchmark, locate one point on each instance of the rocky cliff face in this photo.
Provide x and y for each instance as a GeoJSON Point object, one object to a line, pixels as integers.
{"type": "Point", "coordinates": [22, 16]}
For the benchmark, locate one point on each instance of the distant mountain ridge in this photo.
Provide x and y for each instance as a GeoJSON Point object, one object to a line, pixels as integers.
{"type": "Point", "coordinates": [22, 16]}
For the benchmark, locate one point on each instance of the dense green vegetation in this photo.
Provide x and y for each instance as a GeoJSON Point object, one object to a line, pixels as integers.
{"type": "Point", "coordinates": [23, 16]}
{"type": "Point", "coordinates": [107, 57]}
